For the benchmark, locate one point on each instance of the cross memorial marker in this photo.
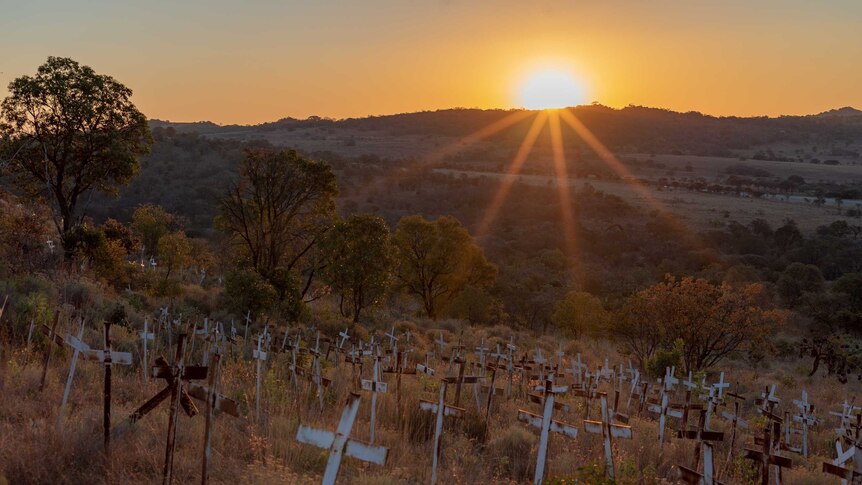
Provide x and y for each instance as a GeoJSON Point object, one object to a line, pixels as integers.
{"type": "Point", "coordinates": [339, 443]}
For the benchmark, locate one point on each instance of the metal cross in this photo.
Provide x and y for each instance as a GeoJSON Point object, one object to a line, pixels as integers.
{"type": "Point", "coordinates": [546, 425]}
{"type": "Point", "coordinates": [339, 443]}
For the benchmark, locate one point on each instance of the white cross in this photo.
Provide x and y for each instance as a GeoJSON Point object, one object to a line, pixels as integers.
{"type": "Point", "coordinates": [805, 418]}
{"type": "Point", "coordinates": [635, 381]}
{"type": "Point", "coordinates": [146, 335]}
{"type": "Point", "coordinates": [425, 368]}
{"type": "Point", "coordinates": [340, 443]}
{"type": "Point", "coordinates": [393, 340]}
{"type": "Point", "coordinates": [440, 409]}
{"type": "Point", "coordinates": [546, 425]}
{"type": "Point", "coordinates": [560, 355]}
{"type": "Point", "coordinates": [482, 350]}
{"type": "Point", "coordinates": [344, 338]}
{"type": "Point", "coordinates": [664, 411]}
{"type": "Point", "coordinates": [669, 379]}
{"type": "Point", "coordinates": [720, 386]}
{"type": "Point", "coordinates": [578, 370]}
{"type": "Point", "coordinates": [608, 430]}
{"type": "Point", "coordinates": [374, 385]}
{"type": "Point", "coordinates": [689, 383]}
{"type": "Point", "coordinates": [247, 321]}
{"type": "Point", "coordinates": [79, 347]}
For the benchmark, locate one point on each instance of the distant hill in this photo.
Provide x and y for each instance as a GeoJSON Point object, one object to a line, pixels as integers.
{"type": "Point", "coordinates": [630, 129]}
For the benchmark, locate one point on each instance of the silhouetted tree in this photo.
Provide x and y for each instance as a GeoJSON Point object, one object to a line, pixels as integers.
{"type": "Point", "coordinates": [69, 131]}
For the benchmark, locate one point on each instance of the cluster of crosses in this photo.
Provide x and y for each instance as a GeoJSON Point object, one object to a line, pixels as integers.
{"type": "Point", "coordinates": [609, 395]}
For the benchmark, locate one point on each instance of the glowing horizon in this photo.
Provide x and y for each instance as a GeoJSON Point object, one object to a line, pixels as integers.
{"type": "Point", "coordinates": [251, 62]}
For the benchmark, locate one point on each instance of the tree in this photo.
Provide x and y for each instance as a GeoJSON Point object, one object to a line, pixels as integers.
{"type": "Point", "coordinates": [436, 260]}
{"type": "Point", "coordinates": [711, 320]}
{"type": "Point", "coordinates": [69, 131]}
{"type": "Point", "coordinates": [358, 255]}
{"type": "Point", "coordinates": [150, 222]}
{"type": "Point", "coordinates": [798, 279]}
{"type": "Point", "coordinates": [580, 313]}
{"type": "Point", "coordinates": [277, 213]}
{"type": "Point", "coordinates": [174, 251]}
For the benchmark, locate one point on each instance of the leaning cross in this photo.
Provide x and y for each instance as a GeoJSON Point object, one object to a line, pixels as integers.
{"type": "Point", "coordinates": [546, 424]}
{"type": "Point", "coordinates": [440, 409]}
{"type": "Point", "coordinates": [608, 430]}
{"type": "Point", "coordinates": [339, 443]}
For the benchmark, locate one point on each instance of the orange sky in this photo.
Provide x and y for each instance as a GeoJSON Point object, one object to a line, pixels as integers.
{"type": "Point", "coordinates": [255, 61]}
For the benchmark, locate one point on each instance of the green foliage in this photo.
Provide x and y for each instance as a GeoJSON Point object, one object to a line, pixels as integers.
{"type": "Point", "coordinates": [798, 279]}
{"type": "Point", "coordinates": [149, 223]}
{"type": "Point", "coordinates": [174, 252]}
{"type": "Point", "coordinates": [580, 313]}
{"type": "Point", "coordinates": [476, 305]}
{"type": "Point", "coordinates": [358, 261]}
{"type": "Point", "coordinates": [89, 245]}
{"type": "Point", "coordinates": [245, 290]}
{"type": "Point", "coordinates": [664, 358]}
{"type": "Point", "coordinates": [71, 131]}
{"type": "Point", "coordinates": [279, 209]}
{"type": "Point", "coordinates": [437, 260]}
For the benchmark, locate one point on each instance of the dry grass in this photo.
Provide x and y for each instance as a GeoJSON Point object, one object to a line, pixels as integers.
{"type": "Point", "coordinates": [248, 450]}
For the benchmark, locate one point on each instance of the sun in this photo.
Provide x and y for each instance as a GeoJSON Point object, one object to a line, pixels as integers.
{"type": "Point", "coordinates": [550, 88]}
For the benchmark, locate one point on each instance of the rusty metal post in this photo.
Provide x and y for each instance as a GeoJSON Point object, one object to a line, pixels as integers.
{"type": "Point", "coordinates": [461, 363]}
{"type": "Point", "coordinates": [174, 410]}
{"type": "Point", "coordinates": [210, 416]}
{"type": "Point", "coordinates": [49, 350]}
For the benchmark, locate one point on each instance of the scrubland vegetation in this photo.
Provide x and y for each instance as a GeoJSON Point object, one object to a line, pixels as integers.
{"type": "Point", "coordinates": [117, 220]}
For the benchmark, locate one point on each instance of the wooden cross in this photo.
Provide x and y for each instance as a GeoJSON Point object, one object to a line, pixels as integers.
{"type": "Point", "coordinates": [608, 430]}
{"type": "Point", "coordinates": [847, 410]}
{"type": "Point", "coordinates": [492, 388]}
{"type": "Point", "coordinates": [635, 376]}
{"type": "Point", "coordinates": [425, 368]}
{"type": "Point", "coordinates": [174, 375]}
{"type": "Point", "coordinates": [398, 369]}
{"type": "Point", "coordinates": [578, 370]}
{"type": "Point", "coordinates": [339, 443]}
{"type": "Point", "coordinates": [440, 344]}
{"type": "Point", "coordinates": [215, 403]}
{"type": "Point", "coordinates": [462, 379]}
{"type": "Point", "coordinates": [146, 336]}
{"type": "Point", "coordinates": [664, 410]}
{"type": "Point", "coordinates": [546, 425]}
{"type": "Point", "coordinates": [767, 456]}
{"type": "Point", "coordinates": [316, 376]}
{"type": "Point", "coordinates": [836, 467]}
{"type": "Point", "coordinates": [374, 385]}
{"type": "Point", "coordinates": [767, 402]}
{"type": "Point", "coordinates": [247, 321]}
{"type": "Point", "coordinates": [107, 357]}
{"type": "Point", "coordinates": [720, 386]}
{"type": "Point", "coordinates": [669, 380]}
{"type": "Point", "coordinates": [588, 392]}
{"type": "Point", "coordinates": [393, 340]}
{"type": "Point", "coordinates": [707, 477]}
{"type": "Point", "coordinates": [344, 337]}
{"type": "Point", "coordinates": [701, 434]}
{"type": "Point", "coordinates": [481, 350]}
{"type": "Point", "coordinates": [440, 409]}
{"type": "Point", "coordinates": [736, 422]}
{"type": "Point", "coordinates": [560, 355]}
{"type": "Point", "coordinates": [805, 418]}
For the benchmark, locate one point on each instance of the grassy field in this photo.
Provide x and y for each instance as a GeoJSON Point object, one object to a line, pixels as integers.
{"type": "Point", "coordinates": [700, 210]}
{"type": "Point", "coordinates": [38, 446]}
